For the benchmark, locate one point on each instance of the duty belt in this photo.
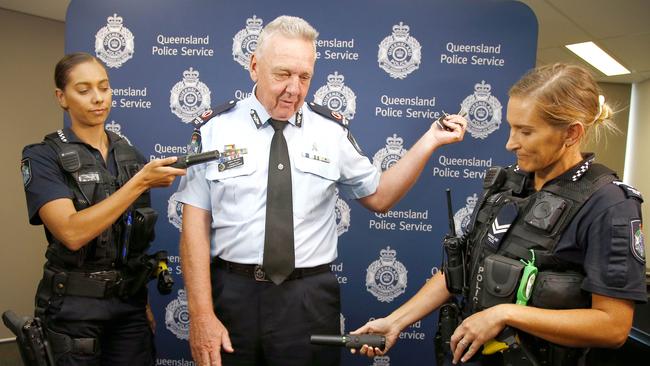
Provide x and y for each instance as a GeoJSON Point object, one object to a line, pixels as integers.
{"type": "Point", "coordinates": [100, 284]}
{"type": "Point", "coordinates": [256, 272]}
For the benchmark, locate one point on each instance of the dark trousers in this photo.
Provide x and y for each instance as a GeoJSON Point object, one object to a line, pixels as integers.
{"type": "Point", "coordinates": [270, 325]}
{"type": "Point", "coordinates": [118, 329]}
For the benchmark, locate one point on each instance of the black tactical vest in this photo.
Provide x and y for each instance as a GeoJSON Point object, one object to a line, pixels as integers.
{"type": "Point", "coordinates": [537, 220]}
{"type": "Point", "coordinates": [91, 183]}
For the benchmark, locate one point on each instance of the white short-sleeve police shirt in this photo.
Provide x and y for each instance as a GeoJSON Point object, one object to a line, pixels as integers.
{"type": "Point", "coordinates": [233, 189]}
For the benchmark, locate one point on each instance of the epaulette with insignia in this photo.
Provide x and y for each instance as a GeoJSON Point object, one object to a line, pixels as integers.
{"type": "Point", "coordinates": [630, 192]}
{"type": "Point", "coordinates": [212, 112]}
{"type": "Point", "coordinates": [195, 147]}
{"type": "Point", "coordinates": [338, 118]}
{"type": "Point", "coordinates": [329, 114]}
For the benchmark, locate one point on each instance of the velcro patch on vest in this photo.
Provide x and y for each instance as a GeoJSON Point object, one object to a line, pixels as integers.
{"type": "Point", "coordinates": [500, 226]}
{"type": "Point", "coordinates": [89, 177]}
{"type": "Point", "coordinates": [637, 244]}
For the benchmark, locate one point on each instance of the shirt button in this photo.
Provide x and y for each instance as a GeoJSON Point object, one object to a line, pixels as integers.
{"type": "Point", "coordinates": [280, 166]}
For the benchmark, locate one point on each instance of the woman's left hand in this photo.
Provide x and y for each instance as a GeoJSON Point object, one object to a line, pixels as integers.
{"type": "Point", "coordinates": [475, 330]}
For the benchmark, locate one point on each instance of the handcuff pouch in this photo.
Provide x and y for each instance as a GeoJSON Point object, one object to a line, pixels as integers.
{"type": "Point", "coordinates": [500, 282]}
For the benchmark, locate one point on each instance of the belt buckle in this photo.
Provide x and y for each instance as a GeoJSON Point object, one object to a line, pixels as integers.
{"type": "Point", "coordinates": [106, 276]}
{"type": "Point", "coordinates": [100, 275]}
{"type": "Point", "coordinates": [259, 273]}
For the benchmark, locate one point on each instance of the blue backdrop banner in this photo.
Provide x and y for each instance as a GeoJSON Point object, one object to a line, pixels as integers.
{"type": "Point", "coordinates": [390, 67]}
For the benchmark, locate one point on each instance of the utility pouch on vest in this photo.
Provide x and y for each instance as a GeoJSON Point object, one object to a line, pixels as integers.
{"type": "Point", "coordinates": [559, 290]}
{"type": "Point", "coordinates": [500, 280]}
{"type": "Point", "coordinates": [144, 220]}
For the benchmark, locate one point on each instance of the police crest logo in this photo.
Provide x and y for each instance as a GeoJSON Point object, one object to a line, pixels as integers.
{"type": "Point", "coordinates": [189, 97]}
{"type": "Point", "coordinates": [636, 240]}
{"type": "Point", "coordinates": [391, 154]}
{"type": "Point", "coordinates": [336, 96]}
{"type": "Point", "coordinates": [399, 54]}
{"type": "Point", "coordinates": [116, 128]}
{"type": "Point", "coordinates": [386, 277]}
{"type": "Point", "coordinates": [175, 211]}
{"type": "Point", "coordinates": [114, 42]}
{"type": "Point", "coordinates": [244, 42]}
{"type": "Point", "coordinates": [381, 361]}
{"type": "Point", "coordinates": [177, 317]}
{"type": "Point", "coordinates": [26, 171]}
{"type": "Point", "coordinates": [342, 210]}
{"type": "Point", "coordinates": [342, 324]}
{"type": "Point", "coordinates": [463, 216]}
{"type": "Point", "coordinates": [484, 111]}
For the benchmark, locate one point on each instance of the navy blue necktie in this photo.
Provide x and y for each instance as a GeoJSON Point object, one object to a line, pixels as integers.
{"type": "Point", "coordinates": [279, 257]}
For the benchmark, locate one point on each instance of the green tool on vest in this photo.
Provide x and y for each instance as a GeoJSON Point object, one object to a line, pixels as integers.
{"type": "Point", "coordinates": [508, 337]}
{"type": "Point", "coordinates": [527, 280]}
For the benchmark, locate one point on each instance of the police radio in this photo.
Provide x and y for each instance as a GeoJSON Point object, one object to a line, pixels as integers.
{"type": "Point", "coordinates": [454, 264]}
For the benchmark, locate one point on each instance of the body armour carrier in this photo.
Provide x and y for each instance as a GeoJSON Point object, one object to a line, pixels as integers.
{"type": "Point", "coordinates": [91, 183]}
{"type": "Point", "coordinates": [514, 225]}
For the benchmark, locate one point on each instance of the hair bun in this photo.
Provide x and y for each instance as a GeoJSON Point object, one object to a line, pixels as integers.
{"type": "Point", "coordinates": [604, 111]}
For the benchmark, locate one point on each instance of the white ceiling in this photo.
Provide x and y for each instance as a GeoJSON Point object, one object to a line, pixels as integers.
{"type": "Point", "coordinates": [620, 27]}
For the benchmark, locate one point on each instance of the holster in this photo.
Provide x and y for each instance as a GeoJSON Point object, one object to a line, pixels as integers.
{"type": "Point", "coordinates": [144, 268]}
{"type": "Point", "coordinates": [32, 342]}
{"type": "Point", "coordinates": [449, 317]}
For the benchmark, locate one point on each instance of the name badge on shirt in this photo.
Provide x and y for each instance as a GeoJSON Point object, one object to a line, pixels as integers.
{"type": "Point", "coordinates": [231, 157]}
{"type": "Point", "coordinates": [229, 164]}
{"type": "Point", "coordinates": [88, 177]}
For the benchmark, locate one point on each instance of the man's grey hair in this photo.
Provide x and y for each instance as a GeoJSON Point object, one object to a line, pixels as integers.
{"type": "Point", "coordinates": [288, 26]}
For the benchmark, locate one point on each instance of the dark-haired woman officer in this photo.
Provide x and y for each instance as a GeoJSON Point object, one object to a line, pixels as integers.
{"type": "Point", "coordinates": [89, 188]}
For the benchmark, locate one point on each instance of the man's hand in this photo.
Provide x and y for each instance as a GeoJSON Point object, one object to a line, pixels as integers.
{"type": "Point", "coordinates": [207, 337]}
{"type": "Point", "coordinates": [449, 129]}
{"type": "Point", "coordinates": [378, 326]}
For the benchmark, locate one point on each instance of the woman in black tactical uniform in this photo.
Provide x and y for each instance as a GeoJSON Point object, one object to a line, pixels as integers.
{"type": "Point", "coordinates": [569, 218]}
{"type": "Point", "coordinates": [89, 188]}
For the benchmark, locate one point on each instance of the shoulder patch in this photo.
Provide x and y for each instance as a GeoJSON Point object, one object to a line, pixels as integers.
{"type": "Point", "coordinates": [213, 112]}
{"type": "Point", "coordinates": [630, 192]}
{"type": "Point", "coordinates": [637, 244]}
{"type": "Point", "coordinates": [329, 114]}
{"type": "Point", "coordinates": [26, 170]}
{"type": "Point", "coordinates": [195, 147]}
